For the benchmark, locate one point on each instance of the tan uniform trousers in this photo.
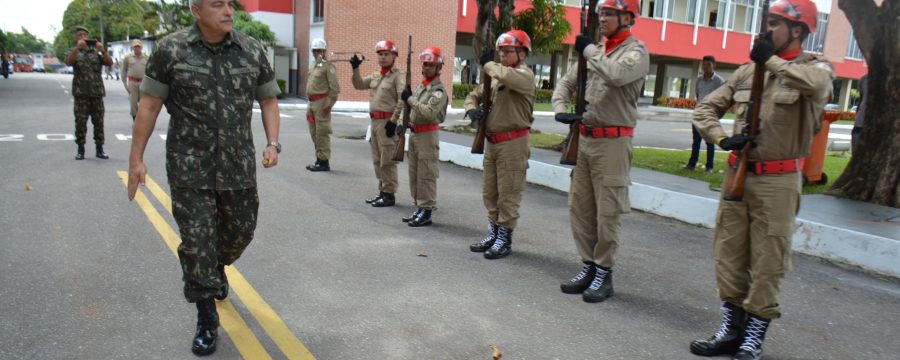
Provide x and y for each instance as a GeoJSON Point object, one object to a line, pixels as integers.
{"type": "Point", "coordinates": [598, 195]}
{"type": "Point", "coordinates": [320, 129]}
{"type": "Point", "coordinates": [505, 164]}
{"type": "Point", "coordinates": [424, 152]}
{"type": "Point", "coordinates": [382, 151]}
{"type": "Point", "coordinates": [752, 246]}
{"type": "Point", "coordinates": [134, 96]}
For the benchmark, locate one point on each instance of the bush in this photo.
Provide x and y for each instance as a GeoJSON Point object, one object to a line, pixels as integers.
{"type": "Point", "coordinates": [281, 85]}
{"type": "Point", "coordinates": [461, 90]}
{"type": "Point", "coordinates": [543, 95]}
{"type": "Point", "coordinates": [682, 103]}
{"type": "Point", "coordinates": [847, 115]}
{"type": "Point", "coordinates": [662, 101]}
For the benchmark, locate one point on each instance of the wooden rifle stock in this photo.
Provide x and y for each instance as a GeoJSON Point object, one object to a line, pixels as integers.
{"type": "Point", "coordinates": [734, 185]}
{"type": "Point", "coordinates": [569, 154]}
{"type": "Point", "coordinates": [401, 142]}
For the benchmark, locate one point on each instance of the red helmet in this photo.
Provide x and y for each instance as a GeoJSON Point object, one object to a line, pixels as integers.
{"type": "Point", "coordinates": [516, 38]}
{"type": "Point", "coordinates": [632, 6]}
{"type": "Point", "coordinates": [432, 55]}
{"type": "Point", "coordinates": [386, 45]}
{"type": "Point", "coordinates": [799, 11]}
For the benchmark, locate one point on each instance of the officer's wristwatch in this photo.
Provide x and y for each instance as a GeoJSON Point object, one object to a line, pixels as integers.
{"type": "Point", "coordinates": [277, 146]}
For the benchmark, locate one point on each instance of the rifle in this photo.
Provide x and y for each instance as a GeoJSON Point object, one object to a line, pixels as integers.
{"type": "Point", "coordinates": [569, 154]}
{"type": "Point", "coordinates": [401, 143]}
{"type": "Point", "coordinates": [734, 186]}
{"type": "Point", "coordinates": [486, 101]}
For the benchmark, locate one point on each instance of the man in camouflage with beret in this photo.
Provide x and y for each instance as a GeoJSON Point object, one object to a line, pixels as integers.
{"type": "Point", "coordinates": [208, 76]}
{"type": "Point", "coordinates": [87, 59]}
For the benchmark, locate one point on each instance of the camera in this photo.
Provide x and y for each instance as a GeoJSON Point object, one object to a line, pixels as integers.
{"type": "Point", "coordinates": [90, 42]}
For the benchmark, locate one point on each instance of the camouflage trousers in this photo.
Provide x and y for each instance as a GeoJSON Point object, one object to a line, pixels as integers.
{"type": "Point", "coordinates": [215, 227]}
{"type": "Point", "coordinates": [89, 106]}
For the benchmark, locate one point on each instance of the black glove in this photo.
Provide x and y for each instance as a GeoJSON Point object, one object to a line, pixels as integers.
{"type": "Point", "coordinates": [486, 57]}
{"type": "Point", "coordinates": [737, 142]}
{"type": "Point", "coordinates": [582, 42]}
{"type": "Point", "coordinates": [474, 114]}
{"type": "Point", "coordinates": [405, 94]}
{"type": "Point", "coordinates": [355, 61]}
{"type": "Point", "coordinates": [391, 128]}
{"type": "Point", "coordinates": [568, 119]}
{"type": "Point", "coordinates": [763, 49]}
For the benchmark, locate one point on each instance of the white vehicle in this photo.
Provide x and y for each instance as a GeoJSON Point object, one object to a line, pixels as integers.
{"type": "Point", "coordinates": [38, 65]}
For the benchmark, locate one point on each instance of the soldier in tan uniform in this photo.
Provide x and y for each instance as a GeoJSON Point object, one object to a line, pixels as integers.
{"type": "Point", "coordinates": [508, 126]}
{"type": "Point", "coordinates": [322, 88]}
{"type": "Point", "coordinates": [384, 109]}
{"type": "Point", "coordinates": [428, 107]}
{"type": "Point", "coordinates": [600, 179]}
{"type": "Point", "coordinates": [133, 74]}
{"type": "Point", "coordinates": [752, 244]}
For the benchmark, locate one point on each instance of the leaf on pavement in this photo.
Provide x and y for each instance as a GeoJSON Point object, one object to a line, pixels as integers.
{"type": "Point", "coordinates": [496, 352]}
{"type": "Point", "coordinates": [28, 187]}
{"type": "Point", "coordinates": [422, 255]}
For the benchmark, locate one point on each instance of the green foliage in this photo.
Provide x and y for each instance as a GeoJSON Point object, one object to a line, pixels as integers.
{"type": "Point", "coordinates": [170, 16]}
{"type": "Point", "coordinates": [461, 90]}
{"type": "Point", "coordinates": [543, 95]}
{"type": "Point", "coordinates": [546, 23]}
{"type": "Point", "coordinates": [246, 24]}
{"type": "Point", "coordinates": [23, 43]}
{"type": "Point", "coordinates": [121, 19]}
{"type": "Point", "coordinates": [854, 94]}
{"type": "Point", "coordinates": [282, 84]}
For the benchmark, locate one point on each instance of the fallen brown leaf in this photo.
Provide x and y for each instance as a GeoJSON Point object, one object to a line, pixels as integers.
{"type": "Point", "coordinates": [28, 187]}
{"type": "Point", "coordinates": [496, 352]}
{"type": "Point", "coordinates": [422, 255]}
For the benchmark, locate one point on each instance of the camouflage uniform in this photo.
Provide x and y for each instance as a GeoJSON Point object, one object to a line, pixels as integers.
{"type": "Point", "coordinates": [209, 92]}
{"type": "Point", "coordinates": [88, 90]}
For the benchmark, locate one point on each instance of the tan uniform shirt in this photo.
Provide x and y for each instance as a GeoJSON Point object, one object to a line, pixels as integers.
{"type": "Point", "coordinates": [322, 80]}
{"type": "Point", "coordinates": [513, 97]}
{"type": "Point", "coordinates": [133, 66]}
{"type": "Point", "coordinates": [428, 105]}
{"type": "Point", "coordinates": [614, 84]}
{"type": "Point", "coordinates": [793, 99]}
{"type": "Point", "coordinates": [385, 90]}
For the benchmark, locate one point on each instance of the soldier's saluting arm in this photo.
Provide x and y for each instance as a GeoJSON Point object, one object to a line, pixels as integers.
{"type": "Point", "coordinates": [810, 78]}
{"type": "Point", "coordinates": [514, 79]}
{"type": "Point", "coordinates": [630, 67]}
{"type": "Point", "coordinates": [713, 107]}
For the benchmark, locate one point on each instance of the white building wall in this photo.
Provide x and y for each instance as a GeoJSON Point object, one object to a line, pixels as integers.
{"type": "Point", "coordinates": [281, 24]}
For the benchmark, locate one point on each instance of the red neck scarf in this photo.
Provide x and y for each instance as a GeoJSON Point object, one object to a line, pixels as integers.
{"type": "Point", "coordinates": [616, 40]}
{"type": "Point", "coordinates": [385, 70]}
{"type": "Point", "coordinates": [791, 55]}
{"type": "Point", "coordinates": [428, 81]}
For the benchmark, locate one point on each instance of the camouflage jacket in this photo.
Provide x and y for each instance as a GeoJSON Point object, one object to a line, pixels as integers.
{"type": "Point", "coordinates": [209, 92]}
{"type": "Point", "coordinates": [87, 79]}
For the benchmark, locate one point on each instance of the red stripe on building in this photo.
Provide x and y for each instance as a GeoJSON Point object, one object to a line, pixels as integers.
{"type": "Point", "coordinates": [276, 6]}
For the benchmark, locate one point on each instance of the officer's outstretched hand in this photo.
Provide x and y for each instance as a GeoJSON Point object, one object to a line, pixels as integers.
{"type": "Point", "coordinates": [763, 49]}
{"type": "Point", "coordinates": [569, 119]}
{"type": "Point", "coordinates": [390, 128]}
{"type": "Point", "coordinates": [355, 61]}
{"type": "Point", "coordinates": [737, 142]}
{"type": "Point", "coordinates": [474, 114]}
{"type": "Point", "coordinates": [581, 43]}
{"type": "Point", "coordinates": [270, 157]}
{"type": "Point", "coordinates": [137, 176]}
{"type": "Point", "coordinates": [406, 94]}
{"type": "Point", "coordinates": [486, 57]}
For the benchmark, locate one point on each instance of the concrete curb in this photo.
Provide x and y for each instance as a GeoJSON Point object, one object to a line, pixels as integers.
{"type": "Point", "coordinates": [870, 252]}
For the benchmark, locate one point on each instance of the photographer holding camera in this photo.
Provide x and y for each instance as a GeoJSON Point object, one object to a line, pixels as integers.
{"type": "Point", "coordinates": [87, 59]}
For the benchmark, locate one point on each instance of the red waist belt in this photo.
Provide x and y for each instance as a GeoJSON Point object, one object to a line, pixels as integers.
{"type": "Point", "coordinates": [316, 97]}
{"type": "Point", "coordinates": [770, 167]}
{"type": "Point", "coordinates": [310, 118]}
{"type": "Point", "coordinates": [378, 115]}
{"type": "Point", "coordinates": [614, 131]}
{"type": "Point", "coordinates": [507, 136]}
{"type": "Point", "coordinates": [135, 79]}
{"type": "Point", "coordinates": [425, 128]}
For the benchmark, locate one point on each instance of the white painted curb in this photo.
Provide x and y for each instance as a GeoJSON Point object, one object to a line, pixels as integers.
{"type": "Point", "coordinates": [871, 252]}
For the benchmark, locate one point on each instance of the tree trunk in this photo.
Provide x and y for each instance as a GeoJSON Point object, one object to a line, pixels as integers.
{"type": "Point", "coordinates": [873, 173]}
{"type": "Point", "coordinates": [553, 65]}
{"type": "Point", "coordinates": [482, 23]}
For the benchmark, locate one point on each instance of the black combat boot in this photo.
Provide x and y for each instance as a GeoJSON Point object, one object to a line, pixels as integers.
{"type": "Point", "coordinates": [407, 219]}
{"type": "Point", "coordinates": [100, 153]}
{"type": "Point", "coordinates": [581, 281]}
{"type": "Point", "coordinates": [487, 242]}
{"type": "Point", "coordinates": [223, 290]}
{"type": "Point", "coordinates": [754, 335]}
{"type": "Point", "coordinates": [502, 244]}
{"type": "Point", "coordinates": [320, 165]}
{"type": "Point", "coordinates": [386, 200]}
{"type": "Point", "coordinates": [80, 154]}
{"type": "Point", "coordinates": [424, 219]}
{"type": "Point", "coordinates": [601, 288]}
{"type": "Point", "coordinates": [729, 337]}
{"type": "Point", "coordinates": [376, 198]}
{"type": "Point", "coordinates": [207, 328]}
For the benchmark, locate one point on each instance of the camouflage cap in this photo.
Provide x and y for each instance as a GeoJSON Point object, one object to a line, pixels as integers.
{"type": "Point", "coordinates": [81, 28]}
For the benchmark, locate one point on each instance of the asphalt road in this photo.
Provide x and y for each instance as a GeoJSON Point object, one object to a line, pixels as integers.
{"type": "Point", "coordinates": [86, 274]}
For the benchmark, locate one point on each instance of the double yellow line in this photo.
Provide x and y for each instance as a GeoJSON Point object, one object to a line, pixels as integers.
{"type": "Point", "coordinates": [246, 342]}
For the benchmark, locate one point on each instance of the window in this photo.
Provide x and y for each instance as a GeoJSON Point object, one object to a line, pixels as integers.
{"type": "Point", "coordinates": [658, 9]}
{"type": "Point", "coordinates": [815, 42]}
{"type": "Point", "coordinates": [691, 10]}
{"type": "Point", "coordinates": [318, 10]}
{"type": "Point", "coordinates": [853, 51]}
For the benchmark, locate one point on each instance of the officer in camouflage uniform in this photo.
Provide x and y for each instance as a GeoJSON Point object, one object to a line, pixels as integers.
{"type": "Point", "coordinates": [384, 109]}
{"type": "Point", "coordinates": [428, 107]}
{"type": "Point", "coordinates": [322, 88]}
{"type": "Point", "coordinates": [600, 179]}
{"type": "Point", "coordinates": [752, 244]}
{"type": "Point", "coordinates": [208, 76]}
{"type": "Point", "coordinates": [88, 89]}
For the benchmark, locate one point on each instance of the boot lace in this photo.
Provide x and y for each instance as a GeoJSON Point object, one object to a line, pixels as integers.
{"type": "Point", "coordinates": [598, 278]}
{"type": "Point", "coordinates": [493, 230]}
{"type": "Point", "coordinates": [727, 319]}
{"type": "Point", "coordinates": [753, 334]}
{"type": "Point", "coordinates": [502, 235]}
{"type": "Point", "coordinates": [585, 269]}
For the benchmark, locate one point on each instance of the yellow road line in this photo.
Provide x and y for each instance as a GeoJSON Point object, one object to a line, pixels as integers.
{"type": "Point", "coordinates": [266, 316]}
{"type": "Point", "coordinates": [247, 343]}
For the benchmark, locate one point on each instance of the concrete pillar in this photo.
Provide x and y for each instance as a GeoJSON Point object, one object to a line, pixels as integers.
{"type": "Point", "coordinates": [659, 89]}
{"type": "Point", "coordinates": [695, 73]}
{"type": "Point", "coordinates": [845, 94]}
